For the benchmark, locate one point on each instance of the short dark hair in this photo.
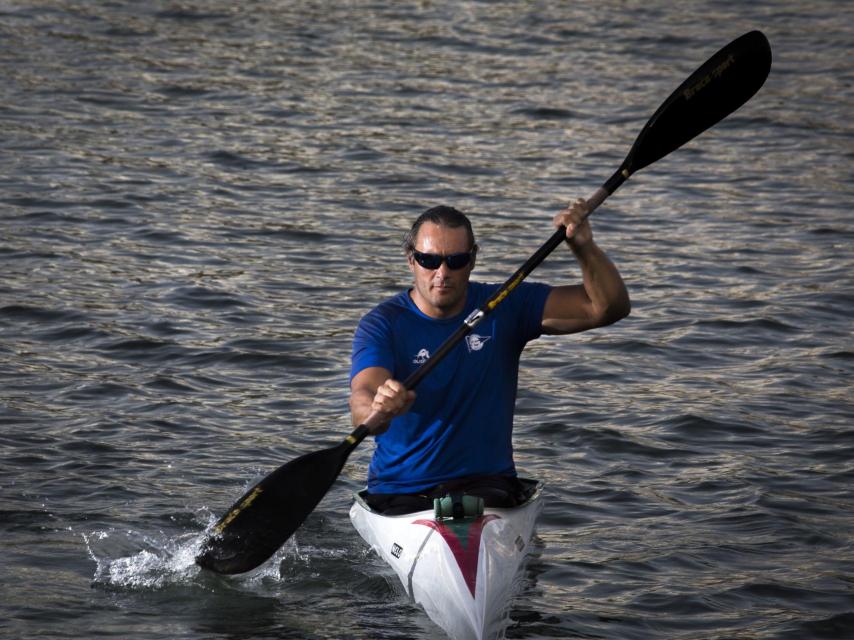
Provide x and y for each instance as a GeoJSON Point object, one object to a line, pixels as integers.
{"type": "Point", "coordinates": [443, 216]}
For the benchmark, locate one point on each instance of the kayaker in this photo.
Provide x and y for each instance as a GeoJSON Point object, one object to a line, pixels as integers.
{"type": "Point", "coordinates": [457, 432]}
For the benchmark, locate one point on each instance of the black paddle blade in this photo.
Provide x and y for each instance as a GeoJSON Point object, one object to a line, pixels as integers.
{"type": "Point", "coordinates": [720, 86]}
{"type": "Point", "coordinates": [268, 514]}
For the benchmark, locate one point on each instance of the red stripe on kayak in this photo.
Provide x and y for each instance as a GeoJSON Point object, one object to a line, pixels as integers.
{"type": "Point", "coordinates": [466, 552]}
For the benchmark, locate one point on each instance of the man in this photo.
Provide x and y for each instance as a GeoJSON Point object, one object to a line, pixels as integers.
{"type": "Point", "coordinates": [457, 432]}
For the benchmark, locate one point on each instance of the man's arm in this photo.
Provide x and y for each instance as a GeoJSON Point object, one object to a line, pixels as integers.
{"type": "Point", "coordinates": [602, 299]}
{"type": "Point", "coordinates": [373, 390]}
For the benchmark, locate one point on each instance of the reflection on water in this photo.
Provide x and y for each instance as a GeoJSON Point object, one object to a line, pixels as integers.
{"type": "Point", "coordinates": [200, 200]}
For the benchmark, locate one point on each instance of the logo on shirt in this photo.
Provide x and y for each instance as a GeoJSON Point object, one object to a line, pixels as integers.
{"type": "Point", "coordinates": [421, 357]}
{"type": "Point", "coordinates": [475, 342]}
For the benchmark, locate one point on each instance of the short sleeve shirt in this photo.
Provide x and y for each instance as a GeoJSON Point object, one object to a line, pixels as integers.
{"type": "Point", "coordinates": [462, 420]}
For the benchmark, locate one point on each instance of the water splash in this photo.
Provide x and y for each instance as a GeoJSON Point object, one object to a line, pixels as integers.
{"type": "Point", "coordinates": [163, 561]}
{"type": "Point", "coordinates": [128, 559]}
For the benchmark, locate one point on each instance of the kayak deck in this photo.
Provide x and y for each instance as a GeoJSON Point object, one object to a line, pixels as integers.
{"type": "Point", "coordinates": [463, 572]}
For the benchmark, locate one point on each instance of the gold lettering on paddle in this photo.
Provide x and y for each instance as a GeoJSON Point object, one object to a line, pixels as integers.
{"type": "Point", "coordinates": [231, 515]}
{"type": "Point", "coordinates": [717, 72]}
{"type": "Point", "coordinates": [494, 303]}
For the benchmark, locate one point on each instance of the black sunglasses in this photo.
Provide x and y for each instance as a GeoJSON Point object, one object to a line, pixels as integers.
{"type": "Point", "coordinates": [434, 260]}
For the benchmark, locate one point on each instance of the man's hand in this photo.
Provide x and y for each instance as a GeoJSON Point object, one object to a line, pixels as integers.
{"type": "Point", "coordinates": [574, 218]}
{"type": "Point", "coordinates": [391, 400]}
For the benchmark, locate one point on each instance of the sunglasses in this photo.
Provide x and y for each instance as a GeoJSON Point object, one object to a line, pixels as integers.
{"type": "Point", "coordinates": [434, 260]}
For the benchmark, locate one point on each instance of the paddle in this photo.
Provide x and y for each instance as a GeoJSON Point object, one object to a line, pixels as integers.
{"type": "Point", "coordinates": [266, 515]}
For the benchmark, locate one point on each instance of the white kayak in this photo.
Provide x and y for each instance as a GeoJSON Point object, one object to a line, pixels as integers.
{"type": "Point", "coordinates": [464, 572]}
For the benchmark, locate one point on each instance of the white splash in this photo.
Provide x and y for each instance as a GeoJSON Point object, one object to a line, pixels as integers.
{"type": "Point", "coordinates": [132, 560]}
{"type": "Point", "coordinates": [162, 561]}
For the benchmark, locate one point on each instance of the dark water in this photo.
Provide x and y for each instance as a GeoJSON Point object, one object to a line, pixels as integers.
{"type": "Point", "coordinates": [199, 199]}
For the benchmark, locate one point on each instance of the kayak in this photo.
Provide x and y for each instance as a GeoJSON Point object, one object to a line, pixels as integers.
{"type": "Point", "coordinates": [462, 570]}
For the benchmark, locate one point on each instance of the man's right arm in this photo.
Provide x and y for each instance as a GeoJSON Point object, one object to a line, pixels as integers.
{"type": "Point", "coordinates": [373, 390]}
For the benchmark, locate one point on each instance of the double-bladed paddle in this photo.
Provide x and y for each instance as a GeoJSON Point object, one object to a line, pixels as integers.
{"type": "Point", "coordinates": [266, 515]}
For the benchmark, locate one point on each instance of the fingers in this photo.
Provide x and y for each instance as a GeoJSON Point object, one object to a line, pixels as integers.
{"type": "Point", "coordinates": [392, 398]}
{"type": "Point", "coordinates": [574, 218]}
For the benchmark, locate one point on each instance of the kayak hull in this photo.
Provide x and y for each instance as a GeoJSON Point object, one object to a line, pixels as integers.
{"type": "Point", "coordinates": [464, 573]}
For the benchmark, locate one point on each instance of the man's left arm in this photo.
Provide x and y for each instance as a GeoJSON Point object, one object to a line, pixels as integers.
{"type": "Point", "coordinates": [601, 299]}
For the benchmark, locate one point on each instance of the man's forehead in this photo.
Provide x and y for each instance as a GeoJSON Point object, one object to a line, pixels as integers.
{"type": "Point", "coordinates": [431, 230]}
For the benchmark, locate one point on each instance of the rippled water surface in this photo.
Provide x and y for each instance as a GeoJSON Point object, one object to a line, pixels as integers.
{"type": "Point", "coordinates": [198, 200]}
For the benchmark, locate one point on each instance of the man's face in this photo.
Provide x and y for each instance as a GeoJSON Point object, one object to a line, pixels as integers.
{"type": "Point", "coordinates": [440, 292]}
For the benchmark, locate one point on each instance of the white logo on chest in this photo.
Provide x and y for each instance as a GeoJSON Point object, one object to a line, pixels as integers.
{"type": "Point", "coordinates": [421, 357]}
{"type": "Point", "coordinates": [475, 342]}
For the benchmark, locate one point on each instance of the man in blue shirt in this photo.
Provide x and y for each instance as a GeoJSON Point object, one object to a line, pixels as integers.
{"type": "Point", "coordinates": [458, 430]}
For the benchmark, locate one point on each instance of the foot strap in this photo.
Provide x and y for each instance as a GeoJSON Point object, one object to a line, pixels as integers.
{"type": "Point", "coordinates": [457, 506]}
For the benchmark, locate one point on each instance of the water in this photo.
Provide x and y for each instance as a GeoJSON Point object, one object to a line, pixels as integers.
{"type": "Point", "coordinates": [198, 200]}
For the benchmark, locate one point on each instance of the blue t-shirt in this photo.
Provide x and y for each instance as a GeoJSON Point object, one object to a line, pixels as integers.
{"type": "Point", "coordinates": [462, 420]}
